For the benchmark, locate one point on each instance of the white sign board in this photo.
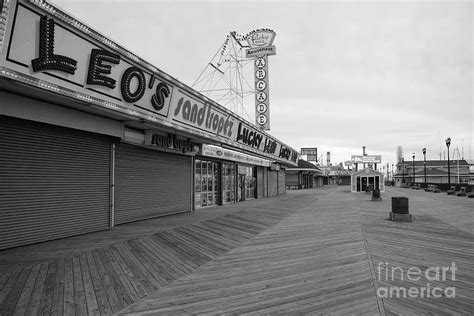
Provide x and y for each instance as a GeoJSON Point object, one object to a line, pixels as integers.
{"type": "Point", "coordinates": [366, 159]}
{"type": "Point", "coordinates": [226, 154]}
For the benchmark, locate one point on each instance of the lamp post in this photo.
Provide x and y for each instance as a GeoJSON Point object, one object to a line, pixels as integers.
{"type": "Point", "coordinates": [448, 143]}
{"type": "Point", "coordinates": [413, 169]}
{"type": "Point", "coordinates": [403, 172]}
{"type": "Point", "coordinates": [424, 163]}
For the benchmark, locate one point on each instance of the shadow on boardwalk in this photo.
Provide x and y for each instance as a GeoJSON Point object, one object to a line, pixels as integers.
{"type": "Point", "coordinates": [311, 251]}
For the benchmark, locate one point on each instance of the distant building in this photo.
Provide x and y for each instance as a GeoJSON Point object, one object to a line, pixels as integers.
{"type": "Point", "coordinates": [471, 171]}
{"type": "Point", "coordinates": [436, 172]}
{"type": "Point", "coordinates": [306, 175]}
{"type": "Point", "coordinates": [336, 175]}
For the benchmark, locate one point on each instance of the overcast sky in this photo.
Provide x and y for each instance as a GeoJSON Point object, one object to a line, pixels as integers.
{"type": "Point", "coordinates": [346, 74]}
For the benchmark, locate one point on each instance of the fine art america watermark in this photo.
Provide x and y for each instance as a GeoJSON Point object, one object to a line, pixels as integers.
{"type": "Point", "coordinates": [386, 273]}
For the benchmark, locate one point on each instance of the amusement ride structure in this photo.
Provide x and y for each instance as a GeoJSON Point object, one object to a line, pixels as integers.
{"type": "Point", "coordinates": [224, 77]}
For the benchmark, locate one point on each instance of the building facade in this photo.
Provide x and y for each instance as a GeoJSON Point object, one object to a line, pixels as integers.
{"type": "Point", "coordinates": [305, 175]}
{"type": "Point", "coordinates": [92, 136]}
{"type": "Point", "coordinates": [409, 172]}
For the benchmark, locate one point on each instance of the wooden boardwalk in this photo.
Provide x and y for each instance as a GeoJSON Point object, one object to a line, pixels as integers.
{"type": "Point", "coordinates": [441, 234]}
{"type": "Point", "coordinates": [311, 251]}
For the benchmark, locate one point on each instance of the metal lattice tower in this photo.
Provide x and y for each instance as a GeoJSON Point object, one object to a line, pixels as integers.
{"type": "Point", "coordinates": [223, 79]}
{"type": "Point", "coordinates": [399, 153]}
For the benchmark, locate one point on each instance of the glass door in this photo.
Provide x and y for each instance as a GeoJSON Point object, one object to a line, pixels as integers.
{"type": "Point", "coordinates": [241, 188]}
{"type": "Point", "coordinates": [228, 183]}
{"type": "Point", "coordinates": [364, 184]}
{"type": "Point", "coordinates": [206, 183]}
{"type": "Point", "coordinates": [250, 184]}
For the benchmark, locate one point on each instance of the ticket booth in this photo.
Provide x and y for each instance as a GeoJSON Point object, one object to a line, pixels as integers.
{"type": "Point", "coordinates": [367, 180]}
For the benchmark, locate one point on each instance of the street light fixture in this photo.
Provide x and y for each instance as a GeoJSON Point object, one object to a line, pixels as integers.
{"type": "Point", "coordinates": [413, 169]}
{"type": "Point", "coordinates": [448, 143]}
{"type": "Point", "coordinates": [424, 163]}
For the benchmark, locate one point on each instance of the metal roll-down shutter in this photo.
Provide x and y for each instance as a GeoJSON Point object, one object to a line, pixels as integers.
{"type": "Point", "coordinates": [272, 183]}
{"type": "Point", "coordinates": [150, 183]}
{"type": "Point", "coordinates": [54, 182]}
{"type": "Point", "coordinates": [281, 182]}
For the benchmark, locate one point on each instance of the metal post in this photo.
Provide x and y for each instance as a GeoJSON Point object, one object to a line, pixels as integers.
{"type": "Point", "coordinates": [112, 187]}
{"type": "Point", "coordinates": [424, 163]}
{"type": "Point", "coordinates": [448, 142]}
{"type": "Point", "coordinates": [413, 169]}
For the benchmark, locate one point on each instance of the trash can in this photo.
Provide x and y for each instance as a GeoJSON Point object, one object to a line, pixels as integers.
{"type": "Point", "coordinates": [376, 193]}
{"type": "Point", "coordinates": [399, 205]}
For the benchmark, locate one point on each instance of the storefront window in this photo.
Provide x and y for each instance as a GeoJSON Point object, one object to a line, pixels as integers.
{"type": "Point", "coordinates": [228, 182]}
{"type": "Point", "coordinates": [206, 183]}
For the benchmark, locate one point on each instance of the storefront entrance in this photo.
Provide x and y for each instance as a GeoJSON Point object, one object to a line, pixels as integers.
{"type": "Point", "coordinates": [246, 183]}
{"type": "Point", "coordinates": [368, 183]}
{"type": "Point", "coordinates": [228, 182]}
{"type": "Point", "coordinates": [206, 183]}
{"type": "Point", "coordinates": [241, 188]}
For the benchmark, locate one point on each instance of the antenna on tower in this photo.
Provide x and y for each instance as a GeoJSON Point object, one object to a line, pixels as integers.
{"type": "Point", "coordinates": [439, 139]}
{"type": "Point", "coordinates": [223, 80]}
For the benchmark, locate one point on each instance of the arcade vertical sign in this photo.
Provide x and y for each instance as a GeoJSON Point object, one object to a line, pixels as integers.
{"type": "Point", "coordinates": [260, 47]}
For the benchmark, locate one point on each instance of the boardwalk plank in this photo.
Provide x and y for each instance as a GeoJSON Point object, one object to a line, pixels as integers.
{"type": "Point", "coordinates": [98, 288]}
{"type": "Point", "coordinates": [218, 244]}
{"type": "Point", "coordinates": [232, 234]}
{"type": "Point", "coordinates": [58, 293]}
{"type": "Point", "coordinates": [27, 290]}
{"type": "Point", "coordinates": [4, 276]}
{"type": "Point", "coordinates": [89, 291]}
{"type": "Point", "coordinates": [226, 238]}
{"type": "Point", "coordinates": [169, 260]}
{"type": "Point", "coordinates": [37, 293]}
{"type": "Point", "coordinates": [137, 291]}
{"type": "Point", "coordinates": [125, 292]}
{"type": "Point", "coordinates": [48, 291]}
{"type": "Point", "coordinates": [9, 284]}
{"type": "Point", "coordinates": [152, 270]}
{"type": "Point", "coordinates": [108, 286]}
{"type": "Point", "coordinates": [196, 244]}
{"type": "Point", "coordinates": [68, 303]}
{"type": "Point", "coordinates": [238, 225]}
{"type": "Point", "coordinates": [185, 254]}
{"type": "Point", "coordinates": [138, 266]}
{"type": "Point", "coordinates": [11, 299]}
{"type": "Point", "coordinates": [80, 302]}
